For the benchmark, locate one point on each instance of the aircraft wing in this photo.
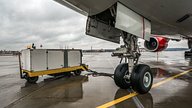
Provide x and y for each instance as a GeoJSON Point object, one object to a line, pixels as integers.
{"type": "Point", "coordinates": [159, 17]}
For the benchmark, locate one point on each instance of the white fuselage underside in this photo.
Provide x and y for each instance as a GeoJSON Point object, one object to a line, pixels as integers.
{"type": "Point", "coordinates": [163, 14]}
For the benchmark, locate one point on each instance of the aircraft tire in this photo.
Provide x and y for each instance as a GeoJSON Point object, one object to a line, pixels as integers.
{"type": "Point", "coordinates": [141, 78]}
{"type": "Point", "coordinates": [120, 72]}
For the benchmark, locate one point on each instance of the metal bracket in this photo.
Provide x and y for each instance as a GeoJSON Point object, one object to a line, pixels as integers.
{"type": "Point", "coordinates": [130, 51]}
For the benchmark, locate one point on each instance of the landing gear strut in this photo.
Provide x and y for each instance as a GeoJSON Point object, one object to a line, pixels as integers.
{"type": "Point", "coordinates": [137, 76]}
{"type": "Point", "coordinates": [189, 53]}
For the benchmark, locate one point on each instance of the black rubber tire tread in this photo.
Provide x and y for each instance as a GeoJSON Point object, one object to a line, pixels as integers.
{"type": "Point", "coordinates": [77, 72]}
{"type": "Point", "coordinates": [32, 79]}
{"type": "Point", "coordinates": [137, 78]}
{"type": "Point", "coordinates": [119, 76]}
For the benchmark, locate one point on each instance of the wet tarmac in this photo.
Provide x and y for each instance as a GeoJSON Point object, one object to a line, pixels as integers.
{"type": "Point", "coordinates": [93, 90]}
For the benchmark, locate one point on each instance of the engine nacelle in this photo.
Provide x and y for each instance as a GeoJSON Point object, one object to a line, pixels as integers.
{"type": "Point", "coordinates": [156, 44]}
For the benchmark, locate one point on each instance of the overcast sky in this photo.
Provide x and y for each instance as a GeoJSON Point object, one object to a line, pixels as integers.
{"type": "Point", "coordinates": [46, 22]}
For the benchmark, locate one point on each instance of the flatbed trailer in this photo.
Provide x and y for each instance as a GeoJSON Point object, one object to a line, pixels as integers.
{"type": "Point", "coordinates": [38, 62]}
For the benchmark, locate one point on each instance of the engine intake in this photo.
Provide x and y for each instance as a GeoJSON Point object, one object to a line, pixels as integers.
{"type": "Point", "coordinates": [156, 44]}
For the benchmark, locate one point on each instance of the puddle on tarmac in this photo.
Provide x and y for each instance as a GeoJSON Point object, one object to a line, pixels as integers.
{"type": "Point", "coordinates": [139, 101]}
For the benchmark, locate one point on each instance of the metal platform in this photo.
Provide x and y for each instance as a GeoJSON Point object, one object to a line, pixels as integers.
{"type": "Point", "coordinates": [56, 71]}
{"type": "Point", "coordinates": [38, 62]}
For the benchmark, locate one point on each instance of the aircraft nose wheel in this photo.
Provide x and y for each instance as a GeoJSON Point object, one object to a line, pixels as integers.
{"type": "Point", "coordinates": [141, 77]}
{"type": "Point", "coordinates": [120, 76]}
{"type": "Point", "coordinates": [147, 79]}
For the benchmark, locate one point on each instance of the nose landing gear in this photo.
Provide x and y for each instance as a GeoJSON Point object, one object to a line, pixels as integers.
{"type": "Point", "coordinates": [132, 75]}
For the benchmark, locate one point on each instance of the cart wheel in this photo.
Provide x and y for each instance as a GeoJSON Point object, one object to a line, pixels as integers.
{"type": "Point", "coordinates": [32, 79]}
{"type": "Point", "coordinates": [77, 72]}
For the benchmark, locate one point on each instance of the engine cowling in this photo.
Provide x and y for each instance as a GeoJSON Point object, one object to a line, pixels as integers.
{"type": "Point", "coordinates": [156, 44]}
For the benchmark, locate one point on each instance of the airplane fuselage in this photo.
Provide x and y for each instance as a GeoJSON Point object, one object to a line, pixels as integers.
{"type": "Point", "coordinates": [168, 17]}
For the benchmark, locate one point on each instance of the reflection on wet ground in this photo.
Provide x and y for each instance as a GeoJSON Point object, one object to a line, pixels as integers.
{"type": "Point", "coordinates": [140, 101]}
{"type": "Point", "coordinates": [51, 92]}
{"type": "Point", "coordinates": [94, 89]}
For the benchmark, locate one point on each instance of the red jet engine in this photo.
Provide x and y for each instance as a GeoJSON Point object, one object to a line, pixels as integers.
{"type": "Point", "coordinates": [156, 44]}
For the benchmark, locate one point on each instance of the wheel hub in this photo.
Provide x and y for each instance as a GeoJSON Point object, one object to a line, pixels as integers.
{"type": "Point", "coordinates": [147, 79]}
{"type": "Point", "coordinates": [126, 77]}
